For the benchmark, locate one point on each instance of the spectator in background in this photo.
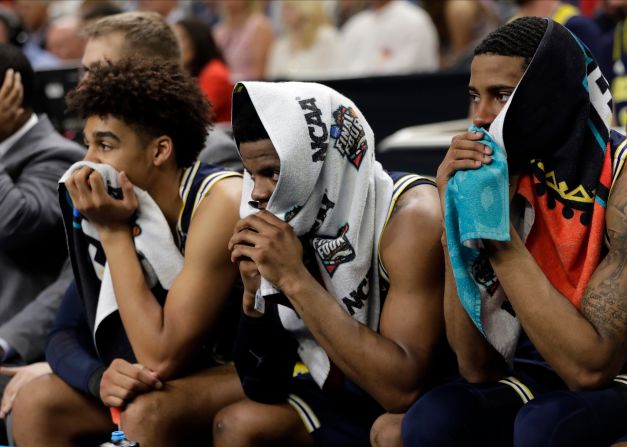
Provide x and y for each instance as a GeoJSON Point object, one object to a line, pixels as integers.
{"type": "Point", "coordinates": [392, 37]}
{"type": "Point", "coordinates": [90, 11]}
{"type": "Point", "coordinates": [11, 30]}
{"type": "Point", "coordinates": [565, 14]}
{"type": "Point", "coordinates": [64, 39]}
{"type": "Point", "coordinates": [33, 156]}
{"type": "Point", "coordinates": [34, 17]}
{"type": "Point", "coordinates": [308, 48]}
{"type": "Point", "coordinates": [170, 10]}
{"type": "Point", "coordinates": [608, 14]}
{"type": "Point", "coordinates": [461, 25]}
{"type": "Point", "coordinates": [203, 60]}
{"type": "Point", "coordinates": [244, 34]}
{"type": "Point", "coordinates": [345, 9]}
{"type": "Point", "coordinates": [613, 54]}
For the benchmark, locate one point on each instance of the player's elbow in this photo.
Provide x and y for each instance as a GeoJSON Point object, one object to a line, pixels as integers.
{"type": "Point", "coordinates": [479, 372]}
{"type": "Point", "coordinates": [593, 372]}
{"type": "Point", "coordinates": [474, 375]}
{"type": "Point", "coordinates": [589, 379]}
{"type": "Point", "coordinates": [166, 367]}
{"type": "Point", "coordinates": [399, 400]}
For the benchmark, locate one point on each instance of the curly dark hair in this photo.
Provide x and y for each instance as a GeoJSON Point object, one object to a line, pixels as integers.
{"type": "Point", "coordinates": [154, 97]}
{"type": "Point", "coordinates": [519, 37]}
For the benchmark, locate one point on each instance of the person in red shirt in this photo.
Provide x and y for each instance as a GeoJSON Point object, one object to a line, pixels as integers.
{"type": "Point", "coordinates": [203, 60]}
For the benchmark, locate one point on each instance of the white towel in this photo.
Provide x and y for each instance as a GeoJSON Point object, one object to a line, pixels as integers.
{"type": "Point", "coordinates": [160, 258]}
{"type": "Point", "coordinates": [332, 191]}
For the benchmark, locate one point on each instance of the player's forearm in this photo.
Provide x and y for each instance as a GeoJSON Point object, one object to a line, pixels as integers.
{"type": "Point", "coordinates": [390, 374]}
{"type": "Point", "coordinates": [141, 313]}
{"type": "Point", "coordinates": [566, 340]}
{"type": "Point", "coordinates": [478, 361]}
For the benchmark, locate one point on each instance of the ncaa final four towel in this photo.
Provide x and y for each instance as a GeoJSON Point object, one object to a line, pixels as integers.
{"type": "Point", "coordinates": [160, 258]}
{"type": "Point", "coordinates": [331, 191]}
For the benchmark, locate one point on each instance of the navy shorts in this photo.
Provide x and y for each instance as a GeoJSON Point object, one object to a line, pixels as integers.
{"type": "Point", "coordinates": [342, 418]}
{"type": "Point", "coordinates": [528, 410]}
{"type": "Point", "coordinates": [574, 418]}
{"type": "Point", "coordinates": [481, 415]}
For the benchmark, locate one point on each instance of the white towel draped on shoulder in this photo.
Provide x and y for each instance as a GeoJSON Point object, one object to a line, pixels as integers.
{"type": "Point", "coordinates": [160, 258]}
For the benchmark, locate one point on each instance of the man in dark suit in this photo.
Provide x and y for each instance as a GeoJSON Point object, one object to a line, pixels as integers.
{"type": "Point", "coordinates": [33, 271]}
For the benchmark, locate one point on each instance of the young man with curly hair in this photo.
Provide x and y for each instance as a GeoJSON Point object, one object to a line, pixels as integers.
{"type": "Point", "coordinates": [147, 120]}
{"type": "Point", "coordinates": [147, 35]}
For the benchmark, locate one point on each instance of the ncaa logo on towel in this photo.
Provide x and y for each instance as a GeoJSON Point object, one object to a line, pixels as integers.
{"type": "Point", "coordinates": [334, 251]}
{"type": "Point", "coordinates": [349, 134]}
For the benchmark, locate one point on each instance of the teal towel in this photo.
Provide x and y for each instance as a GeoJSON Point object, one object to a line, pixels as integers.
{"type": "Point", "coordinates": [477, 207]}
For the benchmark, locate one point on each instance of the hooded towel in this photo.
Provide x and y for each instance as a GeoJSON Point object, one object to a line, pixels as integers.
{"type": "Point", "coordinates": [331, 191]}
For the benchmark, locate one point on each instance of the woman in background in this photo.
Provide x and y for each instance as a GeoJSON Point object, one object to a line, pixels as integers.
{"type": "Point", "coordinates": [203, 60]}
{"type": "Point", "coordinates": [308, 48]}
{"type": "Point", "coordinates": [244, 35]}
{"type": "Point", "coordinates": [461, 25]}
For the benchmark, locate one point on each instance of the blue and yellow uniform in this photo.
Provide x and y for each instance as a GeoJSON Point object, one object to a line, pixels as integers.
{"type": "Point", "coordinates": [534, 399]}
{"type": "Point", "coordinates": [71, 350]}
{"type": "Point", "coordinates": [341, 414]}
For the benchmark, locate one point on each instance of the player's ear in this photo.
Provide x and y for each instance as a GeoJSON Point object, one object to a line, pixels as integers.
{"type": "Point", "coordinates": [162, 149]}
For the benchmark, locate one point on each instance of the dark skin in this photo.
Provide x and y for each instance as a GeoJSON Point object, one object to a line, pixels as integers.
{"type": "Point", "coordinates": [587, 348]}
{"type": "Point", "coordinates": [493, 79]}
{"type": "Point", "coordinates": [395, 366]}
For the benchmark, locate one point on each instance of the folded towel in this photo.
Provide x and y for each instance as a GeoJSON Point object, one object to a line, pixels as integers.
{"type": "Point", "coordinates": [476, 208]}
{"type": "Point", "coordinates": [160, 258]}
{"type": "Point", "coordinates": [333, 193]}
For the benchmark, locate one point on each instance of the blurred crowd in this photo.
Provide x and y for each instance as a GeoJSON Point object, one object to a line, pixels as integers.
{"type": "Point", "coordinates": [146, 68]}
{"type": "Point", "coordinates": [228, 41]}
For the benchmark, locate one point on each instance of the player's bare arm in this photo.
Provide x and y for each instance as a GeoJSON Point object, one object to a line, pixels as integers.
{"type": "Point", "coordinates": [587, 348]}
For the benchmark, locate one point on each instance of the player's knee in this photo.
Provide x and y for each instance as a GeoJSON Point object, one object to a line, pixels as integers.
{"type": "Point", "coordinates": [144, 415]}
{"type": "Point", "coordinates": [553, 420]}
{"type": "Point", "coordinates": [386, 431]}
{"type": "Point", "coordinates": [436, 418]}
{"type": "Point", "coordinates": [530, 429]}
{"type": "Point", "coordinates": [230, 427]}
{"type": "Point", "coordinates": [34, 408]}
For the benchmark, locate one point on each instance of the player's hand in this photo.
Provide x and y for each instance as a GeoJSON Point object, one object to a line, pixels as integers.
{"type": "Point", "coordinates": [465, 152]}
{"type": "Point", "coordinates": [272, 245]}
{"type": "Point", "coordinates": [122, 381]}
{"type": "Point", "coordinates": [251, 279]}
{"type": "Point", "coordinates": [91, 199]}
